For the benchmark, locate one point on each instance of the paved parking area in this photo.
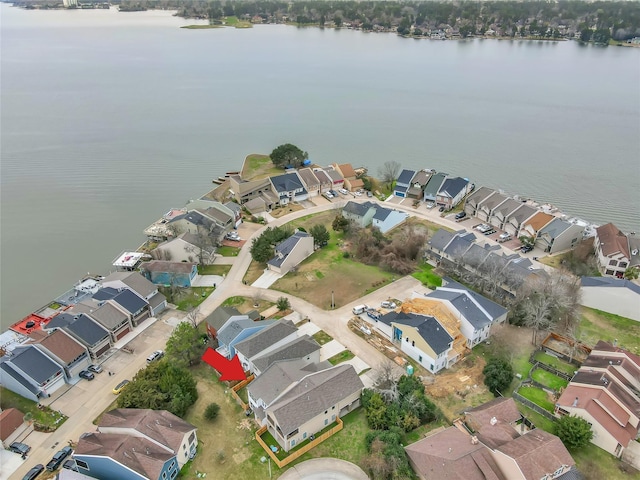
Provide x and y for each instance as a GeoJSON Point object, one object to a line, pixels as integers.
{"type": "Point", "coordinates": [308, 328]}
{"type": "Point", "coordinates": [330, 349]}
{"type": "Point", "coordinates": [358, 364]}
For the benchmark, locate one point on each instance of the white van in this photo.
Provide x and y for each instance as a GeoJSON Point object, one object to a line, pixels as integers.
{"type": "Point", "coordinates": [358, 309]}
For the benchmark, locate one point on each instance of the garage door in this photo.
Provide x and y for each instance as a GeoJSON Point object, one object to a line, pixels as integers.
{"type": "Point", "coordinates": [142, 318]}
{"type": "Point", "coordinates": [103, 350]}
{"type": "Point", "coordinates": [123, 333]}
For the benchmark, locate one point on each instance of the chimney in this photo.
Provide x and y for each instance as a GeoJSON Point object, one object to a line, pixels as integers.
{"type": "Point", "coordinates": [474, 440]}
{"type": "Point", "coordinates": [493, 420]}
{"type": "Point", "coordinates": [575, 402]}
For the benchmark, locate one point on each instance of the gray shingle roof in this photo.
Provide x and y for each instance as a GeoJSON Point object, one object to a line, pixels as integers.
{"type": "Point", "coordinates": [220, 315]}
{"type": "Point", "coordinates": [490, 307]}
{"type": "Point", "coordinates": [279, 376]}
{"type": "Point", "coordinates": [522, 213]}
{"type": "Point", "coordinates": [434, 183]}
{"type": "Point", "coordinates": [555, 227]}
{"type": "Point", "coordinates": [130, 301]}
{"type": "Point", "coordinates": [479, 195]}
{"type": "Point", "coordinates": [233, 328]}
{"type": "Point", "coordinates": [108, 316]}
{"type": "Point", "coordinates": [137, 283]}
{"type": "Point", "coordinates": [477, 254]}
{"type": "Point", "coordinates": [334, 175]}
{"type": "Point", "coordinates": [400, 188]}
{"type": "Point", "coordinates": [9, 370]}
{"type": "Point", "coordinates": [298, 348]}
{"type": "Point", "coordinates": [382, 213]}
{"type": "Point", "coordinates": [308, 177]}
{"type": "Point", "coordinates": [429, 329]}
{"type": "Point", "coordinates": [194, 218]}
{"type": "Point", "coordinates": [314, 394]}
{"type": "Point", "coordinates": [87, 330]}
{"type": "Point", "coordinates": [105, 293]}
{"type": "Point", "coordinates": [285, 247]}
{"type": "Point", "coordinates": [507, 207]}
{"type": "Point", "coordinates": [406, 176]}
{"type": "Point", "coordinates": [286, 182]}
{"type": "Point", "coordinates": [441, 239]}
{"type": "Point", "coordinates": [459, 245]}
{"type": "Point", "coordinates": [453, 186]}
{"type": "Point", "coordinates": [266, 337]}
{"type": "Point", "coordinates": [609, 282]}
{"type": "Point", "coordinates": [34, 363]}
{"type": "Point", "coordinates": [359, 209]}
{"type": "Point", "coordinates": [478, 310]}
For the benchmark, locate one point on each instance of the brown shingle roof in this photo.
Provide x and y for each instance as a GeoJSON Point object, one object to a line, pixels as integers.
{"type": "Point", "coordinates": [62, 346]}
{"type": "Point", "coordinates": [539, 220]}
{"type": "Point", "coordinates": [347, 170]}
{"type": "Point", "coordinates": [308, 177]}
{"type": "Point", "coordinates": [612, 241]}
{"type": "Point", "coordinates": [165, 266]}
{"type": "Point", "coordinates": [159, 425]}
{"type": "Point", "coordinates": [10, 421]}
{"type": "Point", "coordinates": [503, 430]}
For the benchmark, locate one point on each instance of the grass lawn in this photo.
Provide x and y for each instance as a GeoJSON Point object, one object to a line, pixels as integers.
{"type": "Point", "coordinates": [226, 251]}
{"type": "Point", "coordinates": [254, 272]}
{"type": "Point", "coordinates": [200, 27]}
{"type": "Point", "coordinates": [598, 325]}
{"type": "Point", "coordinates": [258, 166]}
{"type": "Point", "coordinates": [548, 379]}
{"type": "Point", "coordinates": [341, 357]}
{"type": "Point", "coordinates": [537, 396]}
{"type": "Point", "coordinates": [427, 277]}
{"type": "Point", "coordinates": [555, 362]}
{"type": "Point", "coordinates": [234, 22]}
{"type": "Point", "coordinates": [192, 297]}
{"type": "Point", "coordinates": [322, 337]}
{"type": "Point", "coordinates": [246, 304]}
{"type": "Point", "coordinates": [213, 269]}
{"type": "Point", "coordinates": [596, 464]}
{"type": "Point", "coordinates": [538, 420]}
{"type": "Point", "coordinates": [46, 416]}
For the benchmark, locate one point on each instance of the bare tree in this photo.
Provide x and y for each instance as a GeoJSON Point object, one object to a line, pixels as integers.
{"type": "Point", "coordinates": [193, 316]}
{"type": "Point", "coordinates": [386, 382]}
{"type": "Point", "coordinates": [389, 171]}
{"type": "Point", "coordinates": [202, 245]}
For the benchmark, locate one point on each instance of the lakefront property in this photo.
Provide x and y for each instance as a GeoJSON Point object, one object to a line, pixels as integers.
{"type": "Point", "coordinates": [316, 373]}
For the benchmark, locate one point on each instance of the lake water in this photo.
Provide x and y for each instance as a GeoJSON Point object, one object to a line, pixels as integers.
{"type": "Point", "coordinates": [109, 119]}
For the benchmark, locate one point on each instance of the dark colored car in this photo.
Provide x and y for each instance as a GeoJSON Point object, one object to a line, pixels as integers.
{"type": "Point", "coordinates": [34, 472]}
{"type": "Point", "coordinates": [21, 448]}
{"type": "Point", "coordinates": [58, 458]}
{"type": "Point", "coordinates": [441, 209]}
{"type": "Point", "coordinates": [526, 249]}
{"type": "Point", "coordinates": [87, 375]}
{"type": "Point", "coordinates": [460, 215]}
{"type": "Point", "coordinates": [70, 464]}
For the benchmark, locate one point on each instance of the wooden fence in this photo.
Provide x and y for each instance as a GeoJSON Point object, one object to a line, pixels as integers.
{"type": "Point", "coordinates": [533, 406]}
{"type": "Point", "coordinates": [242, 384]}
{"type": "Point", "coordinates": [302, 450]}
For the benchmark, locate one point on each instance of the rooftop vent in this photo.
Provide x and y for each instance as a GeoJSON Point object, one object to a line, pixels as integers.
{"type": "Point", "coordinates": [575, 402]}
{"type": "Point", "coordinates": [474, 440]}
{"type": "Point", "coordinates": [493, 420]}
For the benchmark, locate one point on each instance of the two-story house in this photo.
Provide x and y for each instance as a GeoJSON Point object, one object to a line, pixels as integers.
{"type": "Point", "coordinates": [473, 201]}
{"type": "Point", "coordinates": [290, 252]}
{"type": "Point", "coordinates": [612, 250]}
{"type": "Point", "coordinates": [29, 372]}
{"type": "Point", "coordinates": [500, 215]}
{"type": "Point", "coordinates": [517, 218]}
{"type": "Point", "coordinates": [559, 235]}
{"type": "Point", "coordinates": [351, 181]}
{"type": "Point", "coordinates": [140, 286]}
{"type": "Point", "coordinates": [403, 183]}
{"type": "Point", "coordinates": [360, 214]}
{"type": "Point", "coordinates": [431, 189]}
{"type": "Point", "coordinates": [310, 181]}
{"type": "Point", "coordinates": [86, 330]}
{"type": "Point", "coordinates": [63, 349]}
{"type": "Point", "coordinates": [234, 331]}
{"type": "Point", "coordinates": [489, 204]}
{"type": "Point", "coordinates": [452, 191]}
{"type": "Point", "coordinates": [418, 182]}
{"type": "Point", "coordinates": [266, 340]}
{"type": "Point", "coordinates": [289, 188]}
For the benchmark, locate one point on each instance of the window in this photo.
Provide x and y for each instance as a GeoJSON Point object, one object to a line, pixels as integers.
{"type": "Point", "coordinates": [174, 474]}
{"type": "Point", "coordinates": [431, 366]}
{"type": "Point", "coordinates": [326, 421]}
{"type": "Point", "coordinates": [325, 412]}
{"type": "Point", "coordinates": [613, 263]}
{"type": "Point", "coordinates": [333, 418]}
{"type": "Point", "coordinates": [293, 442]}
{"type": "Point", "coordinates": [407, 339]}
{"type": "Point", "coordinates": [173, 465]}
{"type": "Point", "coordinates": [82, 464]}
{"type": "Point", "coordinates": [304, 435]}
{"type": "Point", "coordinates": [420, 358]}
{"type": "Point", "coordinates": [333, 408]}
{"type": "Point", "coordinates": [164, 475]}
{"type": "Point", "coordinates": [413, 344]}
{"type": "Point", "coordinates": [192, 437]}
{"type": "Point", "coordinates": [622, 264]}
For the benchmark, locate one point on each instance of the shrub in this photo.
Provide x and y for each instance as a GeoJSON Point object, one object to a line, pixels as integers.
{"type": "Point", "coordinates": [498, 375]}
{"type": "Point", "coordinates": [575, 432]}
{"type": "Point", "coordinates": [211, 412]}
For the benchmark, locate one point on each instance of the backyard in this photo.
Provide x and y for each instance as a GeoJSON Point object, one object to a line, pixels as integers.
{"type": "Point", "coordinates": [596, 325]}
{"type": "Point", "coordinates": [213, 269]}
{"type": "Point", "coordinates": [427, 277]}
{"type": "Point", "coordinates": [44, 415]}
{"type": "Point", "coordinates": [258, 166]}
{"type": "Point", "coordinates": [246, 304]}
{"type": "Point", "coordinates": [186, 298]}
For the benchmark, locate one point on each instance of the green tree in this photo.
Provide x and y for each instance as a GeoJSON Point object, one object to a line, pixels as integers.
{"type": "Point", "coordinates": [185, 346]}
{"type": "Point", "coordinates": [575, 432]}
{"type": "Point", "coordinates": [261, 251]}
{"type": "Point", "coordinates": [337, 21]}
{"type": "Point", "coordinates": [631, 273]}
{"type": "Point", "coordinates": [283, 304]}
{"type": "Point", "coordinates": [498, 374]}
{"type": "Point", "coordinates": [211, 412]}
{"type": "Point", "coordinates": [376, 412]}
{"type": "Point", "coordinates": [340, 223]}
{"type": "Point", "coordinates": [288, 154]}
{"type": "Point", "coordinates": [161, 386]}
{"type": "Point", "coordinates": [320, 235]}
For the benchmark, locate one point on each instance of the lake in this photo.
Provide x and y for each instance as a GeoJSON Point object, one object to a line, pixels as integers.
{"type": "Point", "coordinates": [110, 119]}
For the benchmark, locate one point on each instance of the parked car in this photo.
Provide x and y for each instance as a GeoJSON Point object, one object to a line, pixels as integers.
{"type": "Point", "coordinates": [460, 215]}
{"type": "Point", "coordinates": [504, 237]}
{"type": "Point", "coordinates": [441, 209]}
{"type": "Point", "coordinates": [119, 387]}
{"type": "Point", "coordinates": [333, 192]}
{"type": "Point", "coordinates": [95, 368]}
{"type": "Point", "coordinates": [343, 191]}
{"type": "Point", "coordinates": [327, 195]}
{"type": "Point", "coordinates": [369, 194]}
{"type": "Point", "coordinates": [388, 304]}
{"type": "Point", "coordinates": [58, 458]}
{"type": "Point", "coordinates": [489, 232]}
{"type": "Point", "coordinates": [34, 472]}
{"type": "Point", "coordinates": [87, 375]}
{"type": "Point", "coordinates": [157, 355]}
{"type": "Point", "coordinates": [483, 227]}
{"type": "Point", "coordinates": [21, 448]}
{"type": "Point", "coordinates": [526, 249]}
{"type": "Point", "coordinates": [430, 204]}
{"type": "Point", "coordinates": [70, 464]}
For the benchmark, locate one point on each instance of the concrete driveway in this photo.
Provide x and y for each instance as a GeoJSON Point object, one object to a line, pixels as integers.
{"type": "Point", "coordinates": [267, 279]}
{"type": "Point", "coordinates": [330, 349]}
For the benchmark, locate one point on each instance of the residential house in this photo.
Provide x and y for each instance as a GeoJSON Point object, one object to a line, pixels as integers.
{"type": "Point", "coordinates": [138, 285]}
{"type": "Point", "coordinates": [112, 318]}
{"type": "Point", "coordinates": [234, 331]}
{"type": "Point", "coordinates": [489, 204]}
{"type": "Point", "coordinates": [612, 250]}
{"type": "Point", "coordinates": [125, 457]}
{"type": "Point", "coordinates": [290, 252]}
{"type": "Point", "coordinates": [162, 272]}
{"type": "Point", "coordinates": [517, 219]}
{"type": "Point", "coordinates": [559, 235]}
{"type": "Point", "coordinates": [159, 426]}
{"type": "Point", "coordinates": [245, 191]}
{"type": "Point", "coordinates": [158, 231]}
{"type": "Point", "coordinates": [634, 249]}
{"type": "Point", "coordinates": [476, 313]}
{"type": "Point", "coordinates": [312, 403]}
{"type": "Point", "coordinates": [266, 340]}
{"type": "Point", "coordinates": [303, 348]}
{"type": "Point", "coordinates": [473, 201]}
{"type": "Point", "coordinates": [500, 215]}
{"type": "Point", "coordinates": [336, 179]}
{"type": "Point", "coordinates": [403, 183]}
{"type": "Point", "coordinates": [84, 329]}
{"type": "Point", "coordinates": [220, 215]}
{"type": "Point", "coordinates": [221, 315]}
{"type": "Point", "coordinates": [613, 295]}
{"type": "Point", "coordinates": [275, 380]}
{"type": "Point", "coordinates": [433, 186]}
{"type": "Point", "coordinates": [237, 213]}
{"type": "Point", "coordinates": [452, 192]}
{"type": "Point", "coordinates": [64, 350]}
{"type": "Point", "coordinates": [30, 373]}
{"type": "Point", "coordinates": [289, 188]}
{"type": "Point", "coordinates": [186, 247]}
{"type": "Point", "coordinates": [421, 337]}
{"type": "Point", "coordinates": [351, 182]}
{"type": "Point", "coordinates": [359, 213]}
{"type": "Point", "coordinates": [418, 182]}
{"type": "Point", "coordinates": [326, 183]}
{"type": "Point", "coordinates": [193, 222]}
{"type": "Point", "coordinates": [605, 392]}
{"type": "Point", "coordinates": [385, 219]}
{"type": "Point", "coordinates": [134, 306]}
{"type": "Point", "coordinates": [492, 443]}
{"type": "Point", "coordinates": [442, 239]}
{"type": "Point", "coordinates": [310, 181]}
{"type": "Point", "coordinates": [533, 225]}
{"type": "Point", "coordinates": [12, 425]}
